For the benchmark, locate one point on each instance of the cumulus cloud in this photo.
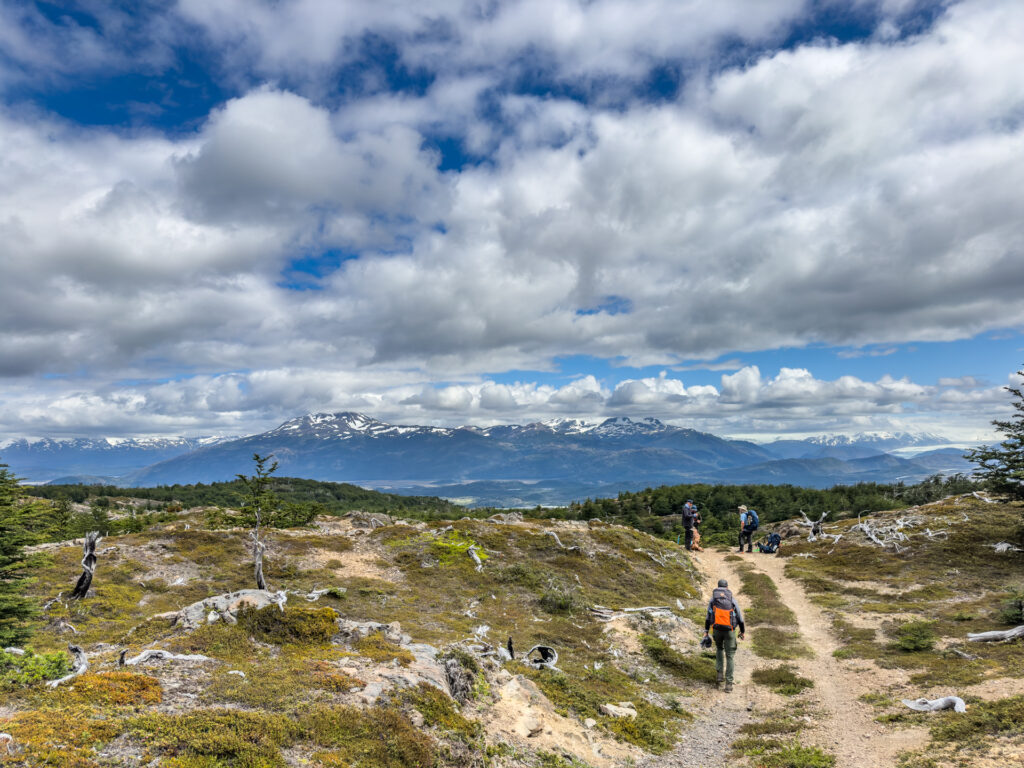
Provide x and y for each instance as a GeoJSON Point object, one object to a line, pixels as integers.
{"type": "Point", "coordinates": [860, 194]}
{"type": "Point", "coordinates": [744, 404]}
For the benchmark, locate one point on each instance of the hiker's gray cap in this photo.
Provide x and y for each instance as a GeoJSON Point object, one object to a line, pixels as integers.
{"type": "Point", "coordinates": [723, 583]}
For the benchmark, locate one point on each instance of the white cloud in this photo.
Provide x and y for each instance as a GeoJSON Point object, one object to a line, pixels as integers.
{"type": "Point", "coordinates": [862, 194]}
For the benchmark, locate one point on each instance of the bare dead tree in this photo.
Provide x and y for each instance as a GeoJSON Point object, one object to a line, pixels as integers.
{"type": "Point", "coordinates": [88, 565]}
{"type": "Point", "coordinates": [814, 527]}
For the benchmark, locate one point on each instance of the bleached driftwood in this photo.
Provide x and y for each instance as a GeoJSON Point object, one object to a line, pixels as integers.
{"type": "Point", "coordinates": [814, 527]}
{"type": "Point", "coordinates": [558, 541]}
{"type": "Point", "coordinates": [158, 653]}
{"type": "Point", "coordinates": [987, 500]}
{"type": "Point", "coordinates": [659, 560]}
{"type": "Point", "coordinates": [996, 636]}
{"type": "Point", "coordinates": [546, 658]}
{"type": "Point", "coordinates": [78, 666]}
{"type": "Point", "coordinates": [88, 565]}
{"type": "Point", "coordinates": [888, 535]}
{"type": "Point", "coordinates": [224, 607]}
{"type": "Point", "coordinates": [603, 614]}
{"type": "Point", "coordinates": [476, 557]}
{"type": "Point", "coordinates": [936, 534]}
{"type": "Point", "coordinates": [7, 742]}
{"type": "Point", "coordinates": [14, 651]}
{"type": "Point", "coordinates": [1004, 546]}
{"type": "Point", "coordinates": [936, 705]}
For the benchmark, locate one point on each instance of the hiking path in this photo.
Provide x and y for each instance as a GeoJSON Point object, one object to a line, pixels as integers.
{"type": "Point", "coordinates": [841, 723]}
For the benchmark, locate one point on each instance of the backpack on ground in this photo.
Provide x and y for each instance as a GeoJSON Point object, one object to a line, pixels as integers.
{"type": "Point", "coordinates": [753, 521]}
{"type": "Point", "coordinates": [770, 544]}
{"type": "Point", "coordinates": [723, 616]}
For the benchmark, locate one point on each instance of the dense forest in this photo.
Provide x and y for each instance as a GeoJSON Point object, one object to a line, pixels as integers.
{"type": "Point", "coordinates": [657, 510]}
{"type": "Point", "coordinates": [335, 497]}
{"type": "Point", "coordinates": [654, 510]}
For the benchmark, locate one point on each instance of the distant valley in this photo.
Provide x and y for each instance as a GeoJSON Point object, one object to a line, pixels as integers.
{"type": "Point", "coordinates": [544, 463]}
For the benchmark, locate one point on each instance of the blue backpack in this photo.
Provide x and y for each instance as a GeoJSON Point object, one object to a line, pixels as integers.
{"type": "Point", "coordinates": [753, 522]}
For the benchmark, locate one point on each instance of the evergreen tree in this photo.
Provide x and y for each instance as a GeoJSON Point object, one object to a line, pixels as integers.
{"type": "Point", "coordinates": [258, 507]}
{"type": "Point", "coordinates": [14, 535]}
{"type": "Point", "coordinates": [1002, 466]}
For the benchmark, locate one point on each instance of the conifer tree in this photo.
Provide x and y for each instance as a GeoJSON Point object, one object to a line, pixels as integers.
{"type": "Point", "coordinates": [14, 535]}
{"type": "Point", "coordinates": [258, 507]}
{"type": "Point", "coordinates": [1002, 466]}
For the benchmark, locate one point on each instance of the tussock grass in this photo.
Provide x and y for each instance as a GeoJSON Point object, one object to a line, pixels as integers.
{"type": "Point", "coordinates": [782, 680]}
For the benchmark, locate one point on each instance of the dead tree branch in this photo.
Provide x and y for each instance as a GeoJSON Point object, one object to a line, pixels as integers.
{"type": "Point", "coordinates": [79, 665]}
{"type": "Point", "coordinates": [936, 705]}
{"type": "Point", "coordinates": [996, 636]}
{"type": "Point", "coordinates": [814, 527]}
{"type": "Point", "coordinates": [558, 541]}
{"type": "Point", "coordinates": [88, 565]}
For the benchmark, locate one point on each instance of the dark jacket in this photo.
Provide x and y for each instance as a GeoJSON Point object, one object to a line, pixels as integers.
{"type": "Point", "coordinates": [724, 594]}
{"type": "Point", "coordinates": [689, 517]}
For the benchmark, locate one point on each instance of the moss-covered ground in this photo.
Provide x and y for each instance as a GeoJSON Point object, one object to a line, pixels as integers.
{"type": "Point", "coordinates": [282, 683]}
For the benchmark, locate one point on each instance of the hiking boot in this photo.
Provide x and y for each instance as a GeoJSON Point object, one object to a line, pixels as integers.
{"type": "Point", "coordinates": [728, 687]}
{"type": "Point", "coordinates": [749, 550]}
{"type": "Point", "coordinates": [721, 678]}
{"type": "Point", "coordinates": [740, 549]}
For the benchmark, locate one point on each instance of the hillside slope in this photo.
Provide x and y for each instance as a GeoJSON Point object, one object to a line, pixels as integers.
{"type": "Point", "coordinates": [365, 669]}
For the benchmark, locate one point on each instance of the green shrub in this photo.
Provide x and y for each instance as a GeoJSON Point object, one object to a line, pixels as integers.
{"type": "Point", "coordinates": [796, 755]}
{"type": "Point", "coordinates": [782, 680]}
{"type": "Point", "coordinates": [916, 636]}
{"type": "Point", "coordinates": [295, 625]}
{"type": "Point", "coordinates": [16, 671]}
{"type": "Point", "coordinates": [1012, 609]}
{"type": "Point", "coordinates": [558, 598]}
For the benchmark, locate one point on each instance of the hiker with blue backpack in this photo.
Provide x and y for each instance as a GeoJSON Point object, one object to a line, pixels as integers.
{"type": "Point", "coordinates": [749, 523]}
{"type": "Point", "coordinates": [723, 617]}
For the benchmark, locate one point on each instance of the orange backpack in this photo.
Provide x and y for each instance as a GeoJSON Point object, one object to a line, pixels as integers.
{"type": "Point", "coordinates": [721, 604]}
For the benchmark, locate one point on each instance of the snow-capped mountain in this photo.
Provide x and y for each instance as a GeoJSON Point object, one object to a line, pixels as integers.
{"type": "Point", "coordinates": [40, 460]}
{"type": "Point", "coordinates": [858, 446]}
{"type": "Point", "coordinates": [554, 459]}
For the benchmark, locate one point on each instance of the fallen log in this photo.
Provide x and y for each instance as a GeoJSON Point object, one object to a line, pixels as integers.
{"type": "Point", "coordinates": [936, 705]}
{"type": "Point", "coordinates": [79, 665]}
{"type": "Point", "coordinates": [7, 741]}
{"type": "Point", "coordinates": [996, 636]}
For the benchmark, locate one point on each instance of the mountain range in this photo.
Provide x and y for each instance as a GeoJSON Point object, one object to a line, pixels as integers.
{"type": "Point", "coordinates": [548, 462]}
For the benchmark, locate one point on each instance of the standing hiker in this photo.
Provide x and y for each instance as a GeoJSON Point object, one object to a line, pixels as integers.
{"type": "Point", "coordinates": [724, 616]}
{"type": "Point", "coordinates": [690, 520]}
{"type": "Point", "coordinates": [749, 523]}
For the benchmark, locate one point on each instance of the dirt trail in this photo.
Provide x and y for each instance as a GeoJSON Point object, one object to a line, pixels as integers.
{"type": "Point", "coordinates": [848, 728]}
{"type": "Point", "coordinates": [844, 725]}
{"type": "Point", "coordinates": [719, 715]}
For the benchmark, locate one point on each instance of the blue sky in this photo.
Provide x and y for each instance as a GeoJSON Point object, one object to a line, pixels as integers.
{"type": "Point", "coordinates": [782, 218]}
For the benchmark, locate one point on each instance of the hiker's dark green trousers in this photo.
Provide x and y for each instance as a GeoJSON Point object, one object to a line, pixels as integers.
{"type": "Point", "coordinates": [725, 651]}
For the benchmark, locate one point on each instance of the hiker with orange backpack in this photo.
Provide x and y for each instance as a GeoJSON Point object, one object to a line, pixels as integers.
{"type": "Point", "coordinates": [724, 616]}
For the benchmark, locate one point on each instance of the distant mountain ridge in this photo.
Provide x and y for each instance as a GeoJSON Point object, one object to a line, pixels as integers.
{"type": "Point", "coordinates": [45, 459]}
{"type": "Point", "coordinates": [549, 462]}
